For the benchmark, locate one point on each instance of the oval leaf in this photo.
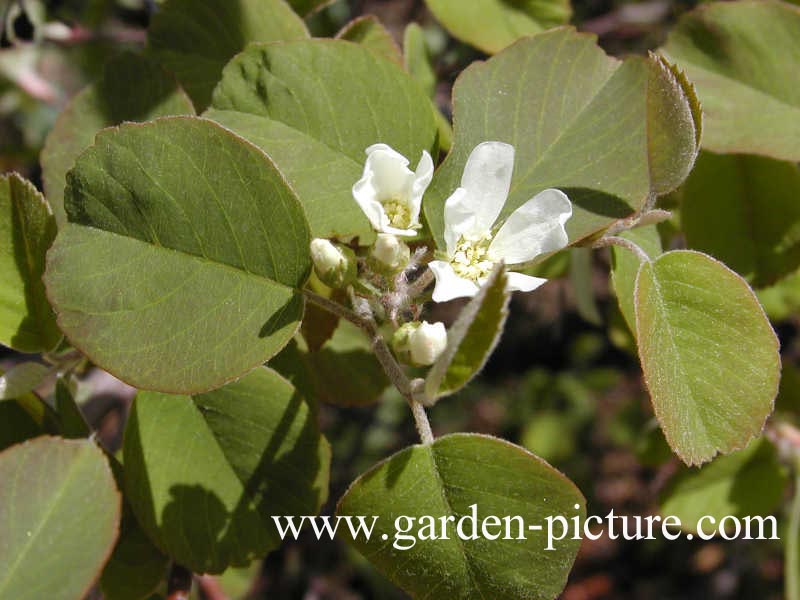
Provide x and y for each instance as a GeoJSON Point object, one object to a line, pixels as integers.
{"type": "Point", "coordinates": [195, 40]}
{"type": "Point", "coordinates": [746, 78]}
{"type": "Point", "coordinates": [133, 88]}
{"type": "Point", "coordinates": [491, 25]}
{"type": "Point", "coordinates": [709, 355]}
{"type": "Point", "coordinates": [205, 474]}
{"type": "Point", "coordinates": [314, 107]}
{"type": "Point", "coordinates": [443, 481]}
{"type": "Point", "coordinates": [752, 202]}
{"type": "Point", "coordinates": [608, 133]}
{"type": "Point", "coordinates": [181, 265]}
{"type": "Point", "coordinates": [59, 517]}
{"type": "Point", "coordinates": [472, 338]}
{"type": "Point", "coordinates": [27, 229]}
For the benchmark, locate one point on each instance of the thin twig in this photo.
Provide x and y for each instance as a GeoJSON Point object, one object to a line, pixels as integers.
{"type": "Point", "coordinates": [391, 367]}
{"type": "Point", "coordinates": [612, 240]}
{"type": "Point", "coordinates": [419, 285]}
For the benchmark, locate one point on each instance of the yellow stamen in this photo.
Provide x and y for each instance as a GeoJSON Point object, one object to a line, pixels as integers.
{"type": "Point", "coordinates": [398, 212]}
{"type": "Point", "coordinates": [471, 258]}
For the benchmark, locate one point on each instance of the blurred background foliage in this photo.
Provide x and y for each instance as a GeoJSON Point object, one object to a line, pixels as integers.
{"type": "Point", "coordinates": [564, 382]}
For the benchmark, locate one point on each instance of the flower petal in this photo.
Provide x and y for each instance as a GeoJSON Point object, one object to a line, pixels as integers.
{"type": "Point", "coordinates": [517, 282]}
{"type": "Point", "coordinates": [534, 228]}
{"type": "Point", "coordinates": [364, 195]}
{"type": "Point", "coordinates": [420, 183]}
{"type": "Point", "coordinates": [457, 218]}
{"type": "Point", "coordinates": [487, 179]}
{"type": "Point", "coordinates": [388, 170]}
{"type": "Point", "coordinates": [448, 284]}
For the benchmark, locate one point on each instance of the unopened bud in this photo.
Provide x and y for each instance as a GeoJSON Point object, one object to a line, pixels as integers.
{"type": "Point", "coordinates": [427, 343]}
{"type": "Point", "coordinates": [390, 252]}
{"type": "Point", "coordinates": [334, 264]}
{"type": "Point", "coordinates": [420, 343]}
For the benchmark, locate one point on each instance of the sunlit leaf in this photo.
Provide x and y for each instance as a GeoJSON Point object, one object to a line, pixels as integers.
{"type": "Point", "coordinates": [471, 339]}
{"type": "Point", "coordinates": [608, 133]}
{"type": "Point", "coordinates": [709, 355]}
{"type": "Point", "coordinates": [133, 88]}
{"type": "Point", "coordinates": [314, 107]}
{"type": "Point", "coordinates": [59, 518]}
{"type": "Point", "coordinates": [742, 56]}
{"type": "Point", "coordinates": [444, 481]}
{"type": "Point", "coordinates": [205, 474]}
{"type": "Point", "coordinates": [180, 267]}
{"type": "Point", "coordinates": [491, 25]}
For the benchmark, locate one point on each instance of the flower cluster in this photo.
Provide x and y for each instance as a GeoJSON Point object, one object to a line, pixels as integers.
{"type": "Point", "coordinates": [476, 237]}
{"type": "Point", "coordinates": [391, 197]}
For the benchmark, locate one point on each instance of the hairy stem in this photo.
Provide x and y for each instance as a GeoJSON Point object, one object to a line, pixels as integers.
{"type": "Point", "coordinates": [420, 283]}
{"type": "Point", "coordinates": [391, 367]}
{"type": "Point", "coordinates": [791, 565]}
{"type": "Point", "coordinates": [612, 240]}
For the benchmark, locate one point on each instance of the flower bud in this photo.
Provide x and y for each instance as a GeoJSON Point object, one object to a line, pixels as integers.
{"type": "Point", "coordinates": [390, 252]}
{"type": "Point", "coordinates": [420, 343]}
{"type": "Point", "coordinates": [427, 343]}
{"type": "Point", "coordinates": [334, 264]}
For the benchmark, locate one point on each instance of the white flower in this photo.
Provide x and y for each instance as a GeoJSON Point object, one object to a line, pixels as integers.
{"type": "Point", "coordinates": [473, 246]}
{"type": "Point", "coordinates": [427, 342]}
{"type": "Point", "coordinates": [389, 193]}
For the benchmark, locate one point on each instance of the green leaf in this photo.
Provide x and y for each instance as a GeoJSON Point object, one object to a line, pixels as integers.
{"type": "Point", "coordinates": [472, 338]}
{"type": "Point", "coordinates": [625, 266]}
{"type": "Point", "coordinates": [418, 64]}
{"type": "Point", "coordinates": [752, 202]}
{"type": "Point", "coordinates": [180, 268]}
{"type": "Point", "coordinates": [133, 88]}
{"type": "Point", "coordinates": [747, 483]}
{"type": "Point", "coordinates": [205, 474]}
{"type": "Point", "coordinates": [742, 56]}
{"type": "Point", "coordinates": [314, 107]}
{"type": "Point", "coordinates": [27, 228]}
{"type": "Point", "coordinates": [369, 32]}
{"type": "Point", "coordinates": [491, 25]}
{"type": "Point", "coordinates": [54, 485]}
{"type": "Point", "coordinates": [608, 133]}
{"type": "Point", "coordinates": [709, 355]}
{"type": "Point", "coordinates": [22, 379]}
{"type": "Point", "coordinates": [417, 60]}
{"type": "Point", "coordinates": [195, 41]}
{"type": "Point", "coordinates": [136, 566]}
{"type": "Point", "coordinates": [442, 481]}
